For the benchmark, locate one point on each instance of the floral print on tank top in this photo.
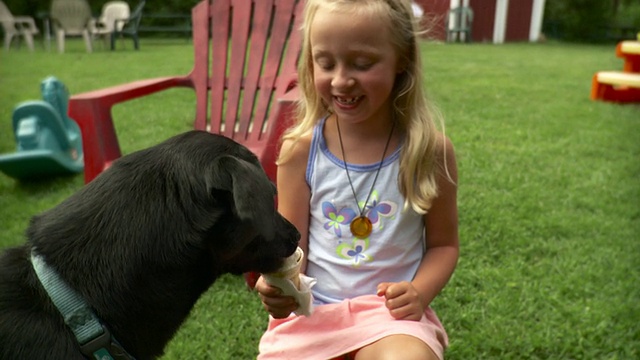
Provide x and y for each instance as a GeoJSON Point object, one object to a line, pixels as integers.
{"type": "Point", "coordinates": [337, 222]}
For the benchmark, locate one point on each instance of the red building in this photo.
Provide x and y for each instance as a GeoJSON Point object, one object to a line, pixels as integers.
{"type": "Point", "coordinates": [495, 21]}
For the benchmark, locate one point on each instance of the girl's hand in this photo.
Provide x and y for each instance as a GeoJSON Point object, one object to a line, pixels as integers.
{"type": "Point", "coordinates": [277, 305]}
{"type": "Point", "coordinates": [403, 300]}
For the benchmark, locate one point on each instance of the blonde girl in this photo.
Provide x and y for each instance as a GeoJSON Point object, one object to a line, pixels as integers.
{"type": "Point", "coordinates": [370, 183]}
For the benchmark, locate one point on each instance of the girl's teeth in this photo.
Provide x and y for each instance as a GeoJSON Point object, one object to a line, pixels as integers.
{"type": "Point", "coordinates": [348, 101]}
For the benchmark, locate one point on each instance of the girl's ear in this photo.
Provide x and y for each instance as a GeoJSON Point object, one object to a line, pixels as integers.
{"type": "Point", "coordinates": [405, 57]}
{"type": "Point", "coordinates": [402, 65]}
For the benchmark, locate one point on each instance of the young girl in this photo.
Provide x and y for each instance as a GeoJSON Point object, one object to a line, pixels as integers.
{"type": "Point", "coordinates": [371, 185]}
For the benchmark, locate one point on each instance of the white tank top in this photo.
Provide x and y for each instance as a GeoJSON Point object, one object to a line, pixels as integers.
{"type": "Point", "coordinates": [345, 265]}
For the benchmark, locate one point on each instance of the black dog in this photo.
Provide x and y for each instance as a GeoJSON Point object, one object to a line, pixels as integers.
{"type": "Point", "coordinates": [140, 244]}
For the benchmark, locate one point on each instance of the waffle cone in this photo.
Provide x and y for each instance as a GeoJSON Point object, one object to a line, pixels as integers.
{"type": "Point", "coordinates": [291, 268]}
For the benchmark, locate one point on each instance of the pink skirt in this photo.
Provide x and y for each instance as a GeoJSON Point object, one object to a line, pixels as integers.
{"type": "Point", "coordinates": [338, 329]}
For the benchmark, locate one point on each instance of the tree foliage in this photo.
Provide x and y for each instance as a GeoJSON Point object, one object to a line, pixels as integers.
{"type": "Point", "coordinates": [591, 20]}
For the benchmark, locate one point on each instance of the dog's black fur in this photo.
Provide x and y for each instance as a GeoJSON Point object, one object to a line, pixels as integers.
{"type": "Point", "coordinates": [141, 243]}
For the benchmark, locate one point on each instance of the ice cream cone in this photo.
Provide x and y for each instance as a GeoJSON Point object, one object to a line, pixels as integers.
{"type": "Point", "coordinates": [291, 268]}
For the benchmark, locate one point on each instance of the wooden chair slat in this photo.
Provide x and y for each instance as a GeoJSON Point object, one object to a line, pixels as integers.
{"type": "Point", "coordinates": [258, 43]}
{"type": "Point", "coordinates": [284, 14]}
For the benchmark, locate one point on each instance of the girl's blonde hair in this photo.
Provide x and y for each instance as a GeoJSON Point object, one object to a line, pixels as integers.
{"type": "Point", "coordinates": [414, 115]}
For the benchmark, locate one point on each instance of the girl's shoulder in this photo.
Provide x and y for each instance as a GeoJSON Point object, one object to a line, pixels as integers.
{"type": "Point", "coordinates": [436, 146]}
{"type": "Point", "coordinates": [297, 150]}
{"type": "Point", "coordinates": [445, 157]}
{"type": "Point", "coordinates": [443, 144]}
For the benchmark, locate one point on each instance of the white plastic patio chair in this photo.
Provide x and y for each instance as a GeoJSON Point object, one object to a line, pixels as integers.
{"type": "Point", "coordinates": [112, 11]}
{"type": "Point", "coordinates": [71, 18]}
{"type": "Point", "coordinates": [17, 26]}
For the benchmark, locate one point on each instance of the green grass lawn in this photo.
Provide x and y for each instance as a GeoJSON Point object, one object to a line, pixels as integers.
{"type": "Point", "coordinates": [549, 195]}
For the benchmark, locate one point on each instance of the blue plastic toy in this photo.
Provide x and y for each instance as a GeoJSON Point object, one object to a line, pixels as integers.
{"type": "Point", "coordinates": [49, 143]}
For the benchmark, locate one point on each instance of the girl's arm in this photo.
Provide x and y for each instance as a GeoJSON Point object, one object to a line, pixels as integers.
{"type": "Point", "coordinates": [408, 300]}
{"type": "Point", "coordinates": [441, 227]}
{"type": "Point", "coordinates": [294, 194]}
{"type": "Point", "coordinates": [293, 203]}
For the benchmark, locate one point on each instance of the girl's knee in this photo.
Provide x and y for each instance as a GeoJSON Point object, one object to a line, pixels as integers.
{"type": "Point", "coordinates": [396, 347]}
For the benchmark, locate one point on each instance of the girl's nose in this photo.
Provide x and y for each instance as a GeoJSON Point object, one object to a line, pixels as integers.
{"type": "Point", "coordinates": [342, 79]}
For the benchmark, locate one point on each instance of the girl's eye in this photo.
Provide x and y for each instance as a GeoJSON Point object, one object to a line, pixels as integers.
{"type": "Point", "coordinates": [324, 64]}
{"type": "Point", "coordinates": [363, 66]}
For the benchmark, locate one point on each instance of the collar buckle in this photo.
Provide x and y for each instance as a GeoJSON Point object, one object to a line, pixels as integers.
{"type": "Point", "coordinates": [104, 347]}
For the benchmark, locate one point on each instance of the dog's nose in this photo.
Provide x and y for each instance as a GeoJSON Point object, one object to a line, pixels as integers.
{"type": "Point", "coordinates": [294, 239]}
{"type": "Point", "coordinates": [296, 235]}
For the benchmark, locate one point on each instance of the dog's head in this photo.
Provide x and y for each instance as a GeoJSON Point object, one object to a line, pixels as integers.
{"type": "Point", "coordinates": [259, 236]}
{"type": "Point", "coordinates": [249, 234]}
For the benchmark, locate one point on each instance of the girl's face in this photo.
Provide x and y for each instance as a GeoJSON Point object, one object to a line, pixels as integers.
{"type": "Point", "coordinates": [354, 64]}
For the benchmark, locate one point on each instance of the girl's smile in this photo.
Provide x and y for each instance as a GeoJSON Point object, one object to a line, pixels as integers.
{"type": "Point", "coordinates": [347, 102]}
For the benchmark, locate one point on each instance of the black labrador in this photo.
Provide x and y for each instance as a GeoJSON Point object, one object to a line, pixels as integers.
{"type": "Point", "coordinates": [139, 245]}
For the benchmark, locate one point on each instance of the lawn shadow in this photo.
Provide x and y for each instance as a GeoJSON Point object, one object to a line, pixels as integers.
{"type": "Point", "coordinates": [44, 186]}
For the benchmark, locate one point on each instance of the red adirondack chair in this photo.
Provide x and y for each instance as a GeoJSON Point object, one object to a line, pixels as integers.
{"type": "Point", "coordinates": [254, 50]}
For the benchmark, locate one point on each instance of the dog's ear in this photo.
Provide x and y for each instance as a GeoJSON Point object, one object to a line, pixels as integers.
{"type": "Point", "coordinates": [253, 192]}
